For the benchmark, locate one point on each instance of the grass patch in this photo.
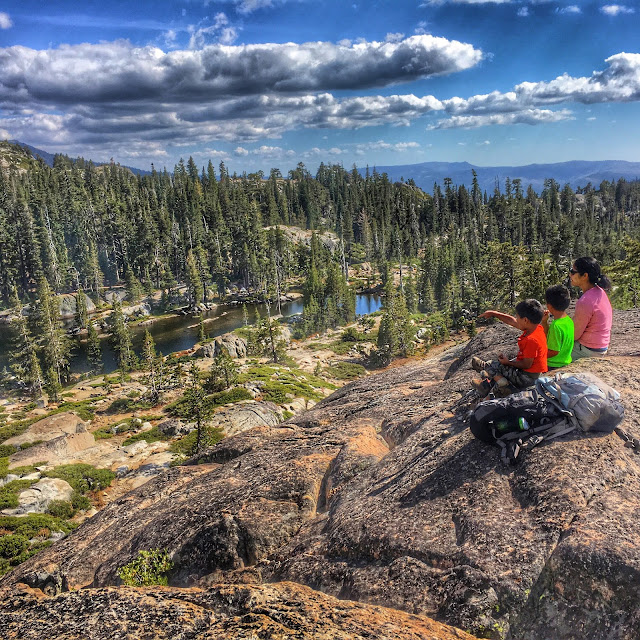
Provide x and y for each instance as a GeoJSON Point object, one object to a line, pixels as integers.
{"type": "Point", "coordinates": [83, 477]}
{"type": "Point", "coordinates": [186, 446]}
{"type": "Point", "coordinates": [103, 434]}
{"type": "Point", "coordinates": [126, 405]}
{"type": "Point", "coordinates": [178, 408]}
{"type": "Point", "coordinates": [26, 536]}
{"type": "Point", "coordinates": [345, 371]}
{"type": "Point", "coordinates": [6, 450]}
{"type": "Point", "coordinates": [9, 493]}
{"type": "Point", "coordinates": [153, 435]}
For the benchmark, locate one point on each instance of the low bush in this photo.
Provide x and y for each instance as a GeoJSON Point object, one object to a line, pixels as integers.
{"type": "Point", "coordinates": [13, 545]}
{"type": "Point", "coordinates": [186, 446]}
{"type": "Point", "coordinates": [153, 435]}
{"type": "Point", "coordinates": [61, 509]}
{"type": "Point", "coordinates": [9, 493]}
{"type": "Point", "coordinates": [346, 371]}
{"type": "Point", "coordinates": [6, 450]}
{"type": "Point", "coordinates": [149, 568]}
{"type": "Point", "coordinates": [83, 477]}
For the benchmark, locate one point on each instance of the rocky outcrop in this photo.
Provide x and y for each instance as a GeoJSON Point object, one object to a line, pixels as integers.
{"type": "Point", "coordinates": [59, 424]}
{"type": "Point", "coordinates": [233, 344]}
{"type": "Point", "coordinates": [246, 415]}
{"type": "Point", "coordinates": [380, 494]}
{"type": "Point", "coordinates": [137, 310]}
{"type": "Point", "coordinates": [68, 305]}
{"type": "Point", "coordinates": [38, 497]}
{"type": "Point", "coordinates": [222, 612]}
{"type": "Point", "coordinates": [56, 451]}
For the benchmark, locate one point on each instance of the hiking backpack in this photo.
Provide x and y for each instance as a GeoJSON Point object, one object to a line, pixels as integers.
{"type": "Point", "coordinates": [554, 407]}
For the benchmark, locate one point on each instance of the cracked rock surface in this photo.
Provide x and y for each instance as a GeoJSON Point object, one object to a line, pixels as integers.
{"type": "Point", "coordinates": [380, 494]}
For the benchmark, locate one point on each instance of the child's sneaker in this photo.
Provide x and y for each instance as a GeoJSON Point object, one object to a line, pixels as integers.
{"type": "Point", "coordinates": [477, 364]}
{"type": "Point", "coordinates": [482, 386]}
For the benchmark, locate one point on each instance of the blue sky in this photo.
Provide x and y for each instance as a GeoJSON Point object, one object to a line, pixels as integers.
{"type": "Point", "coordinates": [269, 83]}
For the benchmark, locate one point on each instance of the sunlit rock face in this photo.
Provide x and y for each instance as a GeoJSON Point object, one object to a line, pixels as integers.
{"type": "Point", "coordinates": [380, 494]}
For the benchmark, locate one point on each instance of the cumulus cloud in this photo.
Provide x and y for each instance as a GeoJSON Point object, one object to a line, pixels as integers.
{"type": "Point", "coordinates": [570, 9]}
{"type": "Point", "coordinates": [5, 21]}
{"type": "Point", "coordinates": [438, 2]}
{"type": "Point", "coordinates": [103, 95]}
{"type": "Point", "coordinates": [526, 116]}
{"type": "Point", "coordinates": [523, 12]}
{"type": "Point", "coordinates": [118, 71]}
{"type": "Point", "coordinates": [616, 9]}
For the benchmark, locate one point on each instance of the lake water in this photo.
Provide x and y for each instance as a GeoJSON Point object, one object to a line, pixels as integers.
{"type": "Point", "coordinates": [181, 332]}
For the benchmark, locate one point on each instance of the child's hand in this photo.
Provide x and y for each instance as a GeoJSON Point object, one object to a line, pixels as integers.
{"type": "Point", "coordinates": [502, 359]}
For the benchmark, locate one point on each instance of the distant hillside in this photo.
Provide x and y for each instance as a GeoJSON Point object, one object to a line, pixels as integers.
{"type": "Point", "coordinates": [578, 173]}
{"type": "Point", "coordinates": [48, 158]}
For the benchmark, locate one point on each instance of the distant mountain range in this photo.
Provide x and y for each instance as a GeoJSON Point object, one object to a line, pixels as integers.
{"type": "Point", "coordinates": [577, 173]}
{"type": "Point", "coordinates": [48, 158]}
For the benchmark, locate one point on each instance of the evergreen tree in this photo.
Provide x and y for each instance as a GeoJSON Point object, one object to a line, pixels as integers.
{"type": "Point", "coordinates": [55, 346]}
{"type": "Point", "coordinates": [94, 348]}
{"type": "Point", "coordinates": [223, 373]}
{"type": "Point", "coordinates": [81, 315]}
{"type": "Point", "coordinates": [121, 338]}
{"type": "Point", "coordinates": [152, 364]}
{"type": "Point", "coordinates": [197, 407]}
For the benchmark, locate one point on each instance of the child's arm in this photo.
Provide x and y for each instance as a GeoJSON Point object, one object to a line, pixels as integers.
{"type": "Point", "coordinates": [545, 322]}
{"type": "Point", "coordinates": [503, 317]}
{"type": "Point", "coordinates": [523, 363]}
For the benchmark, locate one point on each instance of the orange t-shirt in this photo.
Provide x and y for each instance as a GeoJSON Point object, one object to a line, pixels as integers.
{"type": "Point", "coordinates": [534, 346]}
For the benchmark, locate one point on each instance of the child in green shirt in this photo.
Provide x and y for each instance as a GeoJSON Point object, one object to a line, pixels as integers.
{"type": "Point", "coordinates": [560, 330]}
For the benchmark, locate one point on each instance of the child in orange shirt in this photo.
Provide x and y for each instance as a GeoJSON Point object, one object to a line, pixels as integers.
{"type": "Point", "coordinates": [520, 372]}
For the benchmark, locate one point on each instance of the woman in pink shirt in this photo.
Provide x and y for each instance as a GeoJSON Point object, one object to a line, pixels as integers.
{"type": "Point", "coordinates": [593, 316]}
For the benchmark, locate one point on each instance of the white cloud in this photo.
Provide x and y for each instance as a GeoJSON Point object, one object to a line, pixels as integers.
{"type": "Point", "coordinates": [591, 119]}
{"type": "Point", "coordinates": [240, 151]}
{"type": "Point", "coordinates": [570, 9]}
{"type": "Point", "coordinates": [526, 116]}
{"type": "Point", "coordinates": [616, 9]}
{"type": "Point", "coordinates": [523, 12]}
{"type": "Point", "coordinates": [484, 143]}
{"type": "Point", "coordinates": [5, 21]}
{"type": "Point", "coordinates": [438, 2]}
{"type": "Point", "coordinates": [118, 71]}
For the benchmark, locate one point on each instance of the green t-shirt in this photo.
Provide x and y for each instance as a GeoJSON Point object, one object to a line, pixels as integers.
{"type": "Point", "coordinates": [560, 339]}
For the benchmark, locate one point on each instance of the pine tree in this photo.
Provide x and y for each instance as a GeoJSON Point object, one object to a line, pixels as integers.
{"type": "Point", "coordinates": [121, 338]}
{"type": "Point", "coordinates": [55, 346]}
{"type": "Point", "coordinates": [24, 359]}
{"type": "Point", "coordinates": [223, 373]}
{"type": "Point", "coordinates": [197, 407]}
{"type": "Point", "coordinates": [94, 348]}
{"type": "Point", "coordinates": [134, 289]}
{"type": "Point", "coordinates": [152, 364]}
{"type": "Point", "coordinates": [196, 290]}
{"type": "Point", "coordinates": [81, 315]}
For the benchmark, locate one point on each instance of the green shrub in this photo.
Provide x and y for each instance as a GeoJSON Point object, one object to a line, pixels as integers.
{"type": "Point", "coordinates": [61, 509]}
{"type": "Point", "coordinates": [13, 545]}
{"type": "Point", "coordinates": [103, 434]}
{"type": "Point", "coordinates": [6, 450]}
{"type": "Point", "coordinates": [31, 525]}
{"type": "Point", "coordinates": [153, 435]}
{"type": "Point", "coordinates": [27, 445]}
{"type": "Point", "coordinates": [4, 467]}
{"type": "Point", "coordinates": [134, 393]}
{"type": "Point", "coordinates": [345, 371]}
{"type": "Point", "coordinates": [9, 493]}
{"type": "Point", "coordinates": [80, 502]}
{"type": "Point", "coordinates": [83, 477]}
{"type": "Point", "coordinates": [149, 568]}
{"type": "Point", "coordinates": [187, 446]}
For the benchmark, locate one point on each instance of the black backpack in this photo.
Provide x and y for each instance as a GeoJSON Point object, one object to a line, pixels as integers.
{"type": "Point", "coordinates": [554, 407]}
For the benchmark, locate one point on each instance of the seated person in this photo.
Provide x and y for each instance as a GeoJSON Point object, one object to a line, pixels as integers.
{"type": "Point", "coordinates": [522, 371]}
{"type": "Point", "coordinates": [560, 330]}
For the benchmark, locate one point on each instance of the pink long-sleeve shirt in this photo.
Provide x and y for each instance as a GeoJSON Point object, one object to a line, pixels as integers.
{"type": "Point", "coordinates": [593, 318]}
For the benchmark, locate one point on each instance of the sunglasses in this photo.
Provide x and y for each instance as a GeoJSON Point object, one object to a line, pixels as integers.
{"type": "Point", "coordinates": [572, 271]}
